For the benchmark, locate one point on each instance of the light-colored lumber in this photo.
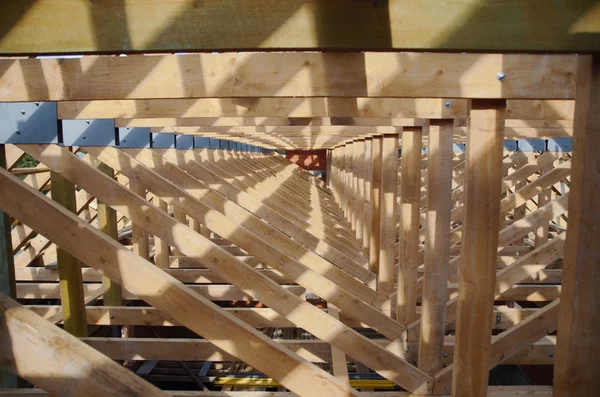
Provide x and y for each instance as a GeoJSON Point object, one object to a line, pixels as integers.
{"type": "Point", "coordinates": [192, 244]}
{"type": "Point", "coordinates": [7, 265]}
{"type": "Point", "coordinates": [140, 277]}
{"type": "Point", "coordinates": [416, 75]}
{"type": "Point", "coordinates": [374, 244]}
{"type": "Point", "coordinates": [578, 350]}
{"type": "Point", "coordinates": [258, 107]}
{"type": "Point", "coordinates": [69, 268]}
{"type": "Point", "coordinates": [339, 291]}
{"type": "Point", "coordinates": [368, 196]}
{"type": "Point", "coordinates": [107, 222]}
{"type": "Point", "coordinates": [58, 362]}
{"type": "Point", "coordinates": [437, 245]}
{"type": "Point", "coordinates": [387, 234]}
{"type": "Point", "coordinates": [408, 246]}
{"type": "Point", "coordinates": [485, 143]}
{"type": "Point", "coordinates": [322, 25]}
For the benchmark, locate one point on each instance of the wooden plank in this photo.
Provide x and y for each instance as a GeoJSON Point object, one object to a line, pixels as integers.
{"type": "Point", "coordinates": [215, 292]}
{"type": "Point", "coordinates": [437, 245]}
{"type": "Point", "coordinates": [69, 269]}
{"type": "Point", "coordinates": [259, 107]}
{"type": "Point", "coordinates": [321, 25]}
{"type": "Point", "coordinates": [485, 142]}
{"type": "Point", "coordinates": [414, 75]}
{"type": "Point", "coordinates": [60, 363]}
{"type": "Point", "coordinates": [359, 203]}
{"type": "Point", "coordinates": [107, 222]}
{"type": "Point", "coordinates": [285, 121]}
{"type": "Point", "coordinates": [408, 247]}
{"type": "Point", "coordinates": [7, 267]}
{"type": "Point", "coordinates": [374, 243]}
{"type": "Point", "coordinates": [387, 234]}
{"type": "Point", "coordinates": [140, 277]}
{"type": "Point", "coordinates": [193, 245]}
{"type": "Point", "coordinates": [368, 195]}
{"type": "Point", "coordinates": [338, 358]}
{"type": "Point", "coordinates": [575, 372]}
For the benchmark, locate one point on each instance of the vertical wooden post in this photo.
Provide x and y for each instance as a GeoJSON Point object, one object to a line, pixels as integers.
{"type": "Point", "coordinates": [139, 237]}
{"type": "Point", "coordinates": [541, 233]}
{"type": "Point", "coordinates": [161, 247]}
{"type": "Point", "coordinates": [359, 203]}
{"type": "Point", "coordinates": [344, 180]}
{"type": "Point", "coordinates": [368, 195]}
{"type": "Point", "coordinates": [375, 206]}
{"type": "Point", "coordinates": [351, 185]}
{"type": "Point", "coordinates": [69, 269]}
{"type": "Point", "coordinates": [485, 142]}
{"type": "Point", "coordinates": [387, 236]}
{"type": "Point", "coordinates": [578, 349]}
{"type": "Point", "coordinates": [7, 273]}
{"type": "Point", "coordinates": [107, 222]}
{"type": "Point", "coordinates": [410, 203]}
{"type": "Point", "coordinates": [328, 167]}
{"type": "Point", "coordinates": [437, 245]}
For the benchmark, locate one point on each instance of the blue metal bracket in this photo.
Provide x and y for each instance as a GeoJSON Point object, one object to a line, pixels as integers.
{"type": "Point", "coordinates": [510, 145]}
{"type": "Point", "coordinates": [458, 148]}
{"type": "Point", "coordinates": [163, 140]}
{"type": "Point", "coordinates": [214, 143]}
{"type": "Point", "coordinates": [201, 142]}
{"type": "Point", "coordinates": [28, 122]}
{"type": "Point", "coordinates": [560, 144]}
{"type": "Point", "coordinates": [136, 137]}
{"type": "Point", "coordinates": [184, 142]}
{"type": "Point", "coordinates": [97, 132]}
{"type": "Point", "coordinates": [531, 145]}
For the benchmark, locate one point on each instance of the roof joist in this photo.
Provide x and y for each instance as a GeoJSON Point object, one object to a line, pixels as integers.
{"type": "Point", "coordinates": [414, 75]}
{"type": "Point", "coordinates": [116, 26]}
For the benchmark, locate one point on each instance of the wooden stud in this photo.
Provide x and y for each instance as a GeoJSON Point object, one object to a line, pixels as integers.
{"type": "Point", "coordinates": [578, 350]}
{"type": "Point", "coordinates": [359, 203]}
{"type": "Point", "coordinates": [387, 236]}
{"type": "Point", "coordinates": [139, 237]}
{"type": "Point", "coordinates": [161, 247]}
{"type": "Point", "coordinates": [485, 142]}
{"type": "Point", "coordinates": [437, 245]}
{"type": "Point", "coordinates": [69, 269]}
{"type": "Point", "coordinates": [368, 195]}
{"type": "Point", "coordinates": [375, 230]}
{"type": "Point", "coordinates": [7, 268]}
{"type": "Point", "coordinates": [107, 222]}
{"type": "Point", "coordinates": [408, 247]}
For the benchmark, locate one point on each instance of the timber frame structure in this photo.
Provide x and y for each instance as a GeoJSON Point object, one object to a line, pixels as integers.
{"type": "Point", "coordinates": [163, 246]}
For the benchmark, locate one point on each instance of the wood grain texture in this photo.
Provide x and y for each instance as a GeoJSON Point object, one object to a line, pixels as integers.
{"type": "Point", "coordinates": [350, 75]}
{"type": "Point", "coordinates": [578, 350]}
{"type": "Point", "coordinates": [182, 25]}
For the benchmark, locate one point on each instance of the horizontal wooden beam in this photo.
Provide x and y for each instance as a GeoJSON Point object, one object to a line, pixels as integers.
{"type": "Point", "coordinates": [268, 121]}
{"type": "Point", "coordinates": [303, 75]}
{"type": "Point", "coordinates": [178, 25]}
{"type": "Point", "coordinates": [263, 110]}
{"type": "Point", "coordinates": [314, 350]}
